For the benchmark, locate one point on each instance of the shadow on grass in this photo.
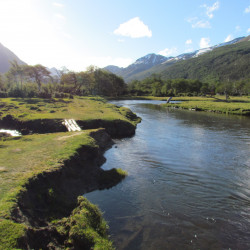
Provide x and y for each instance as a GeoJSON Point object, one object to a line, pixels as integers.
{"type": "Point", "coordinates": [39, 100]}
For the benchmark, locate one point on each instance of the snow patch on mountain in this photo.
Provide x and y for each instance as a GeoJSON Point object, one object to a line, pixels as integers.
{"type": "Point", "coordinates": [150, 59]}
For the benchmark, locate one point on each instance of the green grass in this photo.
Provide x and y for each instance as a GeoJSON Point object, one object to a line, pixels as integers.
{"type": "Point", "coordinates": [85, 227]}
{"type": "Point", "coordinates": [25, 157]}
{"type": "Point", "coordinates": [10, 233]}
{"type": "Point", "coordinates": [235, 105]}
{"type": "Point", "coordinates": [79, 108]}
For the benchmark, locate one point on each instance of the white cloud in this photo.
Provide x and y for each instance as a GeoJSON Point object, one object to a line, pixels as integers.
{"type": "Point", "coordinates": [211, 9]}
{"type": "Point", "coordinates": [247, 10]}
{"type": "Point", "coordinates": [188, 42]}
{"type": "Point", "coordinates": [192, 19]}
{"type": "Point", "coordinates": [168, 52]}
{"type": "Point", "coordinates": [228, 38]}
{"type": "Point", "coordinates": [60, 5]}
{"type": "Point", "coordinates": [201, 24]}
{"type": "Point", "coordinates": [133, 28]}
{"type": "Point", "coordinates": [204, 42]}
{"type": "Point", "coordinates": [248, 30]}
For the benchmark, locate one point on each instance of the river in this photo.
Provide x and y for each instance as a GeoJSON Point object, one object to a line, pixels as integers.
{"type": "Point", "coordinates": [188, 183]}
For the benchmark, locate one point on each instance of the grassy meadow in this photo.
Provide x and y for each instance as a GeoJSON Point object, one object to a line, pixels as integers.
{"type": "Point", "coordinates": [235, 105]}
{"type": "Point", "coordinates": [23, 158]}
{"type": "Point", "coordinates": [79, 108]}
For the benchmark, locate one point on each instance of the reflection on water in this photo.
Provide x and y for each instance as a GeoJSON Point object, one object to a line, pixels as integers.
{"type": "Point", "coordinates": [188, 185]}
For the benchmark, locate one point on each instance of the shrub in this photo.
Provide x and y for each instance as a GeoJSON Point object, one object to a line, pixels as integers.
{"type": "Point", "coordinates": [3, 94]}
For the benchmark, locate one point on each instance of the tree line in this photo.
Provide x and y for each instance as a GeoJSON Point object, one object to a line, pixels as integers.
{"type": "Point", "coordinates": [38, 81]}
{"type": "Point", "coordinates": [155, 86]}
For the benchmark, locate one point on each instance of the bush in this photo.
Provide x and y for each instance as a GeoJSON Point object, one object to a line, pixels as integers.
{"type": "Point", "coordinates": [16, 92]}
{"type": "Point", "coordinates": [3, 94]}
{"type": "Point", "coordinates": [43, 94]}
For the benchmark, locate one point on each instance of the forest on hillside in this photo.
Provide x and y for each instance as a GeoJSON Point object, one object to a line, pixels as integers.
{"type": "Point", "coordinates": [227, 63]}
{"type": "Point", "coordinates": [156, 86]}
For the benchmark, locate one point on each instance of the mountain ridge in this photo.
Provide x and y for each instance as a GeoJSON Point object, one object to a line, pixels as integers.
{"type": "Point", "coordinates": [141, 64]}
{"type": "Point", "coordinates": [6, 56]}
{"type": "Point", "coordinates": [138, 73]}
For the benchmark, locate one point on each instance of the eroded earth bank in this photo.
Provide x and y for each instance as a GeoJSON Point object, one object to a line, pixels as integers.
{"type": "Point", "coordinates": [45, 173]}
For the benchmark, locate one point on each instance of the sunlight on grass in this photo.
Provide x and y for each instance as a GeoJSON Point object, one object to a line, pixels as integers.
{"type": "Point", "coordinates": [24, 157]}
{"type": "Point", "coordinates": [79, 108]}
{"type": "Point", "coordinates": [235, 105]}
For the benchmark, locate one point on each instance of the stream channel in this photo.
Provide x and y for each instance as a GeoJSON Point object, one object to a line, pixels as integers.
{"type": "Point", "coordinates": [188, 183]}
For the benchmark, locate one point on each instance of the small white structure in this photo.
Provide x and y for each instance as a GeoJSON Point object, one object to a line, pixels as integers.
{"type": "Point", "coordinates": [10, 132]}
{"type": "Point", "coordinates": [71, 125]}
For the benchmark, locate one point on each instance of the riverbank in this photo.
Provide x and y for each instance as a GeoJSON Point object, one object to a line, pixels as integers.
{"type": "Point", "coordinates": [180, 204]}
{"type": "Point", "coordinates": [235, 105]}
{"type": "Point", "coordinates": [43, 176]}
{"type": "Point", "coordinates": [36, 115]}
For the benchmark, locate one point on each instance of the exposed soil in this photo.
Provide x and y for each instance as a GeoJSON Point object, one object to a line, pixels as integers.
{"type": "Point", "coordinates": [115, 128]}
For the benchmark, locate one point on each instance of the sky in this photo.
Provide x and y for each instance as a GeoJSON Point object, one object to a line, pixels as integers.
{"type": "Point", "coordinates": [78, 33]}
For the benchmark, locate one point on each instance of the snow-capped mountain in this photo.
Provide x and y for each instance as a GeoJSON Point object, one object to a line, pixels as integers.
{"type": "Point", "coordinates": [201, 51]}
{"type": "Point", "coordinates": [147, 62]}
{"type": "Point", "coordinates": [141, 64]}
{"type": "Point", "coordinates": [150, 59]}
{"type": "Point", "coordinates": [204, 50]}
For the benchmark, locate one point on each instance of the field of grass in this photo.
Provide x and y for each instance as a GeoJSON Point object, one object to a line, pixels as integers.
{"type": "Point", "coordinates": [235, 105]}
{"type": "Point", "coordinates": [22, 158]}
{"type": "Point", "coordinates": [79, 108]}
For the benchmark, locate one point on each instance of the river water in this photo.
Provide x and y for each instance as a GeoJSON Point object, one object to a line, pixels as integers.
{"type": "Point", "coordinates": [188, 183]}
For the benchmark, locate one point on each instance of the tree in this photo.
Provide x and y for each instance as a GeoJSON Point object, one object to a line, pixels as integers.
{"type": "Point", "coordinates": [38, 73]}
{"type": "Point", "coordinates": [156, 89]}
{"type": "Point", "coordinates": [1, 82]}
{"type": "Point", "coordinates": [16, 73]}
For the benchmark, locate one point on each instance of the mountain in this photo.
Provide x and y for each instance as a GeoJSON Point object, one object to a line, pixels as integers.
{"type": "Point", "coordinates": [6, 56]}
{"type": "Point", "coordinates": [140, 65]}
{"type": "Point", "coordinates": [152, 63]}
{"type": "Point", "coordinates": [222, 63]}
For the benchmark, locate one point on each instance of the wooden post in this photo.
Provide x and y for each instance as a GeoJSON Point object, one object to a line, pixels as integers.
{"type": "Point", "coordinates": [169, 99]}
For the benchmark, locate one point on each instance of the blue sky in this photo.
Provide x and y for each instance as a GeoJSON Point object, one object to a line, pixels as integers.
{"type": "Point", "coordinates": [79, 33]}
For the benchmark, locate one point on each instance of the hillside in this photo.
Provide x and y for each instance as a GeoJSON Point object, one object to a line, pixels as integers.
{"type": "Point", "coordinates": [5, 57]}
{"type": "Point", "coordinates": [220, 62]}
{"type": "Point", "coordinates": [140, 65]}
{"type": "Point", "coordinates": [225, 63]}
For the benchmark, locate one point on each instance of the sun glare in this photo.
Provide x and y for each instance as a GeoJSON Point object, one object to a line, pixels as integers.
{"type": "Point", "coordinates": [31, 33]}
